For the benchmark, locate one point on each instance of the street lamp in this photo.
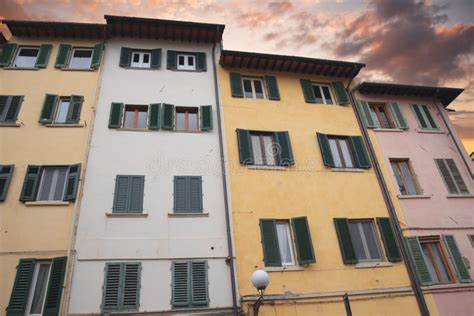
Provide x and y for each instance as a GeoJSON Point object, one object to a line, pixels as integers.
{"type": "Point", "coordinates": [260, 280]}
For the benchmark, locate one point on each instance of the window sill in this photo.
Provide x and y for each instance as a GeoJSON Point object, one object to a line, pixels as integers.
{"type": "Point", "coordinates": [396, 130]}
{"type": "Point", "coordinates": [460, 196]}
{"type": "Point", "coordinates": [47, 203]}
{"type": "Point", "coordinates": [347, 170]}
{"type": "Point", "coordinates": [203, 214]}
{"type": "Point", "coordinates": [267, 167]}
{"type": "Point", "coordinates": [140, 68]}
{"type": "Point", "coordinates": [447, 286]}
{"type": "Point", "coordinates": [185, 131]}
{"type": "Point", "coordinates": [365, 265]}
{"type": "Point", "coordinates": [126, 215]}
{"type": "Point", "coordinates": [64, 125]}
{"type": "Point", "coordinates": [283, 268]}
{"type": "Point", "coordinates": [133, 129]}
{"type": "Point", "coordinates": [21, 68]}
{"type": "Point", "coordinates": [10, 125]}
{"type": "Point", "coordinates": [430, 131]}
{"type": "Point", "coordinates": [187, 70]}
{"type": "Point", "coordinates": [78, 69]}
{"type": "Point", "coordinates": [410, 197]}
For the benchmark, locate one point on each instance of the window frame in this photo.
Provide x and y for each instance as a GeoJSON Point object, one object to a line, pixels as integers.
{"type": "Point", "coordinates": [291, 242]}
{"type": "Point", "coordinates": [252, 85]}
{"type": "Point", "coordinates": [34, 282]}
{"type": "Point", "coordinates": [340, 153]}
{"type": "Point", "coordinates": [395, 163]}
{"type": "Point", "coordinates": [444, 257]}
{"type": "Point", "coordinates": [17, 55]}
{"type": "Point", "coordinates": [331, 93]}
{"type": "Point", "coordinates": [41, 182]}
{"type": "Point", "coordinates": [424, 116]}
{"type": "Point", "coordinates": [136, 109]}
{"type": "Point", "coordinates": [186, 110]}
{"type": "Point", "coordinates": [377, 239]}
{"type": "Point", "coordinates": [186, 65]}
{"type": "Point", "coordinates": [73, 50]}
{"type": "Point", "coordinates": [57, 109]}
{"type": "Point", "coordinates": [261, 136]}
{"type": "Point", "coordinates": [376, 116]}
{"type": "Point", "coordinates": [141, 54]}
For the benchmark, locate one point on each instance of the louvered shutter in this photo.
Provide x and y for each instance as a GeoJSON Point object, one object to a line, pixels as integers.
{"type": "Point", "coordinates": [30, 184]}
{"type": "Point", "coordinates": [4, 105]}
{"type": "Point", "coordinates": [285, 152]}
{"type": "Point", "coordinates": [12, 107]}
{"type": "Point", "coordinates": [6, 55]}
{"type": "Point", "coordinates": [461, 186]}
{"type": "Point", "coordinates": [75, 107]}
{"type": "Point", "coordinates": [125, 57]}
{"type": "Point", "coordinates": [272, 85]}
{"type": "Point", "coordinates": [55, 287]}
{"type": "Point", "coordinates": [49, 105]}
{"type": "Point", "coordinates": [418, 259]}
{"type": "Point", "coordinates": [72, 183]}
{"type": "Point", "coordinates": [398, 115]}
{"type": "Point", "coordinates": [155, 58]}
{"type": "Point", "coordinates": [63, 56]}
{"type": "Point", "coordinates": [180, 194]}
{"type": "Point", "coordinates": [121, 202]}
{"type": "Point", "coordinates": [201, 64]}
{"type": "Point", "coordinates": [112, 287]}
{"type": "Point", "coordinates": [154, 117]}
{"type": "Point", "coordinates": [341, 94]}
{"type": "Point", "coordinates": [308, 92]}
{"type": "Point", "coordinates": [345, 240]}
{"type": "Point", "coordinates": [236, 88]}
{"type": "Point", "coordinates": [167, 115]}
{"type": "Point", "coordinates": [171, 60]}
{"type": "Point", "coordinates": [199, 293]}
{"type": "Point", "coordinates": [43, 56]}
{"type": "Point", "coordinates": [131, 286]}
{"type": "Point", "coordinates": [360, 154]}
{"type": "Point", "coordinates": [115, 119]}
{"type": "Point", "coordinates": [451, 176]}
{"type": "Point", "coordinates": [429, 117]}
{"type": "Point", "coordinates": [97, 55]}
{"type": "Point", "coordinates": [206, 117]}
{"type": "Point", "coordinates": [195, 194]}
{"type": "Point", "coordinates": [136, 194]}
{"type": "Point", "coordinates": [180, 285]}
{"type": "Point", "coordinates": [390, 243]}
{"type": "Point", "coordinates": [21, 287]}
{"type": "Point", "coordinates": [245, 147]}
{"type": "Point", "coordinates": [456, 259]}
{"type": "Point", "coordinates": [304, 244]}
{"type": "Point", "coordinates": [364, 110]}
{"type": "Point", "coordinates": [419, 116]}
{"type": "Point", "coordinates": [328, 160]}
{"type": "Point", "coordinates": [6, 173]}
{"type": "Point", "coordinates": [271, 250]}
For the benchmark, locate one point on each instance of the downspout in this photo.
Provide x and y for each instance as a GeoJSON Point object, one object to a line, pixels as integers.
{"type": "Point", "coordinates": [230, 257]}
{"type": "Point", "coordinates": [415, 284]}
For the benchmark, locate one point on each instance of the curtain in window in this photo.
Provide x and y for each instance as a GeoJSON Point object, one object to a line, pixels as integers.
{"type": "Point", "coordinates": [284, 243]}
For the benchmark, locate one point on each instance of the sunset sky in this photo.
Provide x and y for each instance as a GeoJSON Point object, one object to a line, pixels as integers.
{"type": "Point", "coordinates": [402, 41]}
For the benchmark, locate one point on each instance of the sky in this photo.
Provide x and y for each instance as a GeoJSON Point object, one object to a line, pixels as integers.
{"type": "Point", "coordinates": [402, 41]}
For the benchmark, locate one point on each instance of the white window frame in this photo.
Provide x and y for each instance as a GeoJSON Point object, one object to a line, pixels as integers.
{"type": "Point", "coordinates": [140, 63]}
{"type": "Point", "coordinates": [18, 55]}
{"type": "Point", "coordinates": [290, 241]}
{"type": "Point", "coordinates": [33, 286]}
{"type": "Point", "coordinates": [40, 188]}
{"type": "Point", "coordinates": [74, 49]}
{"type": "Point", "coordinates": [186, 65]}
{"type": "Point", "coordinates": [58, 108]}
{"type": "Point", "coordinates": [252, 84]}
{"type": "Point", "coordinates": [320, 85]}
{"type": "Point", "coordinates": [364, 240]}
{"type": "Point", "coordinates": [253, 135]}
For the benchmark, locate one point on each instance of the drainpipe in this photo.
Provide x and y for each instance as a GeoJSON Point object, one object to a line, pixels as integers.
{"type": "Point", "coordinates": [415, 284]}
{"type": "Point", "coordinates": [230, 257]}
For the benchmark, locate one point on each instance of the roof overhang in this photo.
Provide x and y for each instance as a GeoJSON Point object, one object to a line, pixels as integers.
{"type": "Point", "coordinates": [55, 29]}
{"type": "Point", "coordinates": [121, 26]}
{"type": "Point", "coordinates": [3, 39]}
{"type": "Point", "coordinates": [294, 64]}
{"type": "Point", "coordinates": [445, 95]}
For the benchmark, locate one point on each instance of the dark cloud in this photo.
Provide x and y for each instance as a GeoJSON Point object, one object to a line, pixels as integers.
{"type": "Point", "coordinates": [280, 7]}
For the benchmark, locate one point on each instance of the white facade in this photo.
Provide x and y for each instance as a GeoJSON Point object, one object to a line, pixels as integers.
{"type": "Point", "coordinates": [156, 238]}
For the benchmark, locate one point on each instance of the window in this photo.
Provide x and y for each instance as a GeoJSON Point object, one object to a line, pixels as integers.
{"type": "Point", "coordinates": [253, 88]}
{"type": "Point", "coordinates": [188, 194]}
{"type": "Point", "coordinates": [451, 176]}
{"type": "Point", "coordinates": [52, 184]}
{"type": "Point", "coordinates": [26, 57]}
{"type": "Point", "coordinates": [61, 109]}
{"type": "Point", "coordinates": [264, 149]}
{"type": "Point", "coordinates": [121, 287]}
{"type": "Point", "coordinates": [191, 61]}
{"type": "Point", "coordinates": [436, 260]}
{"type": "Point", "coordinates": [141, 60]}
{"type": "Point", "coordinates": [186, 62]}
{"type": "Point", "coordinates": [187, 119]}
{"type": "Point", "coordinates": [189, 284]}
{"type": "Point", "coordinates": [381, 116]}
{"type": "Point", "coordinates": [341, 152]}
{"type": "Point", "coordinates": [6, 173]}
{"type": "Point", "coordinates": [323, 94]}
{"type": "Point", "coordinates": [405, 177]}
{"type": "Point", "coordinates": [424, 117]}
{"type": "Point", "coordinates": [364, 240]}
{"type": "Point", "coordinates": [128, 196]}
{"type": "Point", "coordinates": [81, 58]}
{"type": "Point", "coordinates": [9, 108]}
{"type": "Point", "coordinates": [38, 288]}
{"type": "Point", "coordinates": [285, 243]}
{"type": "Point", "coordinates": [135, 116]}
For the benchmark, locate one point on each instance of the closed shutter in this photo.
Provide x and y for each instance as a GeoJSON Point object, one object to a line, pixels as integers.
{"type": "Point", "coordinates": [201, 64]}
{"type": "Point", "coordinates": [398, 115]}
{"type": "Point", "coordinates": [345, 241]}
{"type": "Point", "coordinates": [125, 57]}
{"type": "Point", "coordinates": [360, 154]}
{"type": "Point", "coordinates": [206, 117]}
{"type": "Point", "coordinates": [245, 147]}
{"type": "Point", "coordinates": [199, 293]}
{"type": "Point", "coordinates": [136, 194]}
{"type": "Point", "coordinates": [155, 58]}
{"type": "Point", "coordinates": [21, 287]}
{"type": "Point", "coordinates": [121, 202]}
{"type": "Point", "coordinates": [304, 244]}
{"type": "Point", "coordinates": [273, 92]}
{"type": "Point", "coordinates": [30, 185]}
{"type": "Point", "coordinates": [429, 117]}
{"type": "Point", "coordinates": [131, 286]}
{"type": "Point", "coordinates": [12, 107]}
{"type": "Point", "coordinates": [236, 88]}
{"type": "Point", "coordinates": [167, 116]}
{"type": "Point", "coordinates": [271, 250]}
{"type": "Point", "coordinates": [4, 105]}
{"type": "Point", "coordinates": [180, 194]}
{"type": "Point", "coordinates": [43, 56]}
{"type": "Point", "coordinates": [6, 173]}
{"type": "Point", "coordinates": [308, 92]}
{"type": "Point", "coordinates": [97, 55]}
{"type": "Point", "coordinates": [456, 259]}
{"type": "Point", "coordinates": [419, 116]}
{"type": "Point", "coordinates": [180, 284]}
{"type": "Point", "coordinates": [55, 287]}
{"type": "Point", "coordinates": [285, 152]}
{"type": "Point", "coordinates": [49, 105]}
{"type": "Point", "coordinates": [341, 94]}
{"type": "Point", "coordinates": [391, 248]}
{"type": "Point", "coordinates": [195, 194]}
{"type": "Point", "coordinates": [451, 176]}
{"type": "Point", "coordinates": [461, 186]}
{"type": "Point", "coordinates": [364, 110]}
{"type": "Point", "coordinates": [418, 259]}
{"type": "Point", "coordinates": [6, 54]}
{"type": "Point", "coordinates": [115, 119]}
{"type": "Point", "coordinates": [72, 183]}
{"type": "Point", "coordinates": [325, 150]}
{"type": "Point", "coordinates": [171, 60]}
{"type": "Point", "coordinates": [63, 56]}
{"type": "Point", "coordinates": [154, 117]}
{"type": "Point", "coordinates": [112, 287]}
{"type": "Point", "coordinates": [75, 107]}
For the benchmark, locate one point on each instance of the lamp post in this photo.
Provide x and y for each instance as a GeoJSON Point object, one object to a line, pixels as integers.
{"type": "Point", "coordinates": [260, 280]}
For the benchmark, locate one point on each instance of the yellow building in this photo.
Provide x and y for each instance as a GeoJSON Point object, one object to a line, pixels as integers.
{"type": "Point", "coordinates": [306, 203]}
{"type": "Point", "coordinates": [48, 88]}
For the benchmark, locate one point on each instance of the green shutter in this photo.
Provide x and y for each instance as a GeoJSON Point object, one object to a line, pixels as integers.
{"type": "Point", "coordinates": [121, 193]}
{"type": "Point", "coordinates": [49, 106]}
{"type": "Point", "coordinates": [30, 185]}
{"type": "Point", "coordinates": [11, 108]}
{"type": "Point", "coordinates": [398, 115]}
{"type": "Point", "coordinates": [6, 54]}
{"type": "Point", "coordinates": [360, 154]}
{"type": "Point", "coordinates": [341, 94]}
{"type": "Point", "coordinates": [429, 117]}
{"type": "Point", "coordinates": [345, 241]}
{"type": "Point", "coordinates": [4, 105]}
{"type": "Point", "coordinates": [456, 259]}
{"type": "Point", "coordinates": [167, 117]}
{"type": "Point", "coordinates": [130, 299]}
{"type": "Point", "coordinates": [236, 88]}
{"type": "Point", "coordinates": [75, 107]}
{"type": "Point", "coordinates": [43, 56]}
{"type": "Point", "coordinates": [304, 244]}
{"type": "Point", "coordinates": [171, 60]}
{"type": "Point", "coordinates": [6, 173]}
{"type": "Point", "coordinates": [55, 287]}
{"type": "Point", "coordinates": [308, 93]}
{"type": "Point", "coordinates": [271, 250]}
{"type": "Point", "coordinates": [199, 293]}
{"type": "Point", "coordinates": [155, 58]}
{"type": "Point", "coordinates": [418, 259]}
{"type": "Point", "coordinates": [115, 119]}
{"type": "Point", "coordinates": [391, 248]}
{"type": "Point", "coordinates": [180, 194]}
{"type": "Point", "coordinates": [273, 92]}
{"type": "Point", "coordinates": [21, 287]}
{"type": "Point", "coordinates": [112, 287]}
{"type": "Point", "coordinates": [154, 117]}
{"type": "Point", "coordinates": [451, 176]}
{"type": "Point", "coordinates": [206, 117]}
{"type": "Point", "coordinates": [245, 147]}
{"type": "Point", "coordinates": [125, 57]}
{"type": "Point", "coordinates": [135, 194]}
{"type": "Point", "coordinates": [285, 152]}
{"type": "Point", "coordinates": [194, 190]}
{"type": "Point", "coordinates": [201, 64]}
{"type": "Point", "coordinates": [325, 150]}
{"type": "Point", "coordinates": [180, 284]}
{"type": "Point", "coordinates": [364, 110]}
{"type": "Point", "coordinates": [457, 178]}
{"type": "Point", "coordinates": [72, 183]}
{"type": "Point", "coordinates": [97, 55]}
{"type": "Point", "coordinates": [422, 121]}
{"type": "Point", "coordinates": [63, 56]}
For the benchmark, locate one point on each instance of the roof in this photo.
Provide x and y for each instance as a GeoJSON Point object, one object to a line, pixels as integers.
{"type": "Point", "coordinates": [123, 26]}
{"type": "Point", "coordinates": [445, 95]}
{"type": "Point", "coordinates": [3, 39]}
{"type": "Point", "coordinates": [54, 29]}
{"type": "Point", "coordinates": [286, 63]}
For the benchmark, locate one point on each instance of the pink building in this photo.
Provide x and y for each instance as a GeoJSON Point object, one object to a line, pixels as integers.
{"type": "Point", "coordinates": [430, 179]}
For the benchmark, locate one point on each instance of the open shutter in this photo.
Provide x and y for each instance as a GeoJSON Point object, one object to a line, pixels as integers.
{"type": "Point", "coordinates": [13, 107]}
{"type": "Point", "coordinates": [6, 172]}
{"type": "Point", "coordinates": [345, 240]}
{"type": "Point", "coordinates": [462, 188]}
{"type": "Point", "coordinates": [236, 88]}
{"type": "Point", "coordinates": [136, 194]}
{"type": "Point", "coordinates": [390, 243]}
{"type": "Point", "coordinates": [49, 105]}
{"type": "Point", "coordinates": [74, 113]}
{"type": "Point", "coordinates": [201, 64]}
{"type": "Point", "coordinates": [6, 55]}
{"type": "Point", "coordinates": [180, 285]}
{"type": "Point", "coordinates": [63, 56]}
{"type": "Point", "coordinates": [121, 194]}
{"type": "Point", "coordinates": [418, 258]}
{"type": "Point", "coordinates": [398, 115]}
{"type": "Point", "coordinates": [97, 55]}
{"type": "Point", "coordinates": [360, 154]}
{"type": "Point", "coordinates": [125, 57]}
{"type": "Point", "coordinates": [21, 287]}
{"type": "Point", "coordinates": [273, 92]}
{"type": "Point", "coordinates": [171, 60]}
{"type": "Point", "coordinates": [43, 56]}
{"type": "Point", "coordinates": [271, 250]}
{"type": "Point", "coordinates": [30, 185]}
{"type": "Point", "coordinates": [245, 147]}
{"type": "Point", "coordinates": [155, 58]}
{"type": "Point", "coordinates": [456, 259]}
{"type": "Point", "coordinates": [341, 94]}
{"type": "Point", "coordinates": [115, 119]}
{"type": "Point", "coordinates": [112, 287]}
{"type": "Point", "coordinates": [167, 116]}
{"type": "Point", "coordinates": [195, 194]}
{"type": "Point", "coordinates": [4, 105]}
{"type": "Point", "coordinates": [199, 293]}
{"type": "Point", "coordinates": [304, 244]}
{"type": "Point", "coordinates": [285, 152]}
{"type": "Point", "coordinates": [154, 117]}
{"type": "Point", "coordinates": [325, 150]}
{"type": "Point", "coordinates": [55, 287]}
{"type": "Point", "coordinates": [206, 117]}
{"type": "Point", "coordinates": [72, 183]}
{"type": "Point", "coordinates": [364, 110]}
{"type": "Point", "coordinates": [131, 286]}
{"type": "Point", "coordinates": [308, 91]}
{"type": "Point", "coordinates": [180, 194]}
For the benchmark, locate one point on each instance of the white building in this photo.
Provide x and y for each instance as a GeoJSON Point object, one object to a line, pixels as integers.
{"type": "Point", "coordinates": [152, 233]}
